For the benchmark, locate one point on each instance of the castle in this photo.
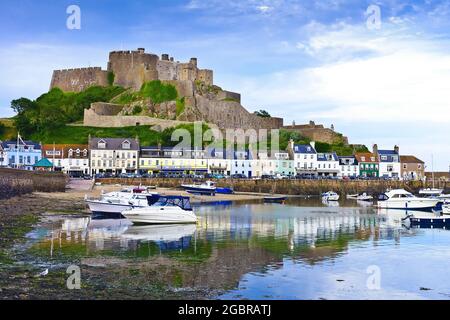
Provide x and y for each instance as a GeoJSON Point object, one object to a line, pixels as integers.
{"type": "Point", "coordinates": [204, 101]}
{"type": "Point", "coordinates": [130, 69]}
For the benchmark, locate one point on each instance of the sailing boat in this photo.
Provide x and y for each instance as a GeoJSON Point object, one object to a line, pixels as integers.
{"type": "Point", "coordinates": [431, 192]}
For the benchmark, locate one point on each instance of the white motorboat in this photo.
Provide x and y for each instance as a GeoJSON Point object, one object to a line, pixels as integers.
{"type": "Point", "coordinates": [167, 210]}
{"type": "Point", "coordinates": [110, 204]}
{"type": "Point", "coordinates": [330, 196]}
{"type": "Point", "coordinates": [361, 197]}
{"type": "Point", "coordinates": [431, 192]}
{"type": "Point", "coordinates": [446, 208]}
{"type": "Point", "coordinates": [402, 199]}
{"type": "Point", "coordinates": [207, 188]}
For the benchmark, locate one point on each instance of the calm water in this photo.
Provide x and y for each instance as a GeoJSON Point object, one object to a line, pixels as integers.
{"type": "Point", "coordinates": [302, 250]}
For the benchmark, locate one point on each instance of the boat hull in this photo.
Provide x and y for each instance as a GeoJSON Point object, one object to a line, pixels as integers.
{"type": "Point", "coordinates": [99, 207]}
{"type": "Point", "coordinates": [199, 190]}
{"type": "Point", "coordinates": [425, 204]}
{"type": "Point", "coordinates": [427, 222]}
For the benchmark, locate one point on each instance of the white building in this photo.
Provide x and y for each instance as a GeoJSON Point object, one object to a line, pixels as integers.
{"type": "Point", "coordinates": [349, 167]}
{"type": "Point", "coordinates": [328, 165]}
{"type": "Point", "coordinates": [114, 155]}
{"type": "Point", "coordinates": [304, 157]}
{"type": "Point", "coordinates": [389, 161]}
{"type": "Point", "coordinates": [73, 160]}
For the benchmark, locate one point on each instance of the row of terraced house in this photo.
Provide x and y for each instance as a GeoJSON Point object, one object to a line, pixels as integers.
{"type": "Point", "coordinates": [126, 155]}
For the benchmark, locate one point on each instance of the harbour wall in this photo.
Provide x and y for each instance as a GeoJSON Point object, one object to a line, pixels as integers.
{"type": "Point", "coordinates": [287, 187]}
{"type": "Point", "coordinates": [18, 182]}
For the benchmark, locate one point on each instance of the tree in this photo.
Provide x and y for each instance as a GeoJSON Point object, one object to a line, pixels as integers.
{"type": "Point", "coordinates": [262, 114]}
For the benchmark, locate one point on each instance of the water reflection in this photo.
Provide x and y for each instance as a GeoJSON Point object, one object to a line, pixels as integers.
{"type": "Point", "coordinates": [233, 242]}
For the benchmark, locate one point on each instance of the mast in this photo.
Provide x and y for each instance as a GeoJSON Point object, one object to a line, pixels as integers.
{"type": "Point", "coordinates": [17, 150]}
{"type": "Point", "coordinates": [432, 169]}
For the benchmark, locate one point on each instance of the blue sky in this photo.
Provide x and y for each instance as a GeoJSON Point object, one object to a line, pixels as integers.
{"type": "Point", "coordinates": [301, 60]}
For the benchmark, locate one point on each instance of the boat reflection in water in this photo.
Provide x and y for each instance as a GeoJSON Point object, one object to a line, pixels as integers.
{"type": "Point", "coordinates": [263, 251]}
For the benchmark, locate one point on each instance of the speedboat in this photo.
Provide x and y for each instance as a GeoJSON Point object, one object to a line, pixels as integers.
{"type": "Point", "coordinates": [402, 199]}
{"type": "Point", "coordinates": [207, 188]}
{"type": "Point", "coordinates": [167, 210]}
{"type": "Point", "coordinates": [431, 192]}
{"type": "Point", "coordinates": [110, 204]}
{"type": "Point", "coordinates": [361, 197]}
{"type": "Point", "coordinates": [330, 196]}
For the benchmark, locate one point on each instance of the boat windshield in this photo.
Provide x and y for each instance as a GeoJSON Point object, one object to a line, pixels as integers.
{"type": "Point", "coordinates": [182, 202]}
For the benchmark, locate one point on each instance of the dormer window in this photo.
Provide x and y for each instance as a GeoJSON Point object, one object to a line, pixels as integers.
{"type": "Point", "coordinates": [126, 145]}
{"type": "Point", "coordinates": [372, 159]}
{"type": "Point", "coordinates": [85, 153]}
{"type": "Point", "coordinates": [70, 152]}
{"type": "Point", "coordinates": [101, 144]}
{"type": "Point", "coordinates": [363, 159]}
{"type": "Point", "coordinates": [383, 157]}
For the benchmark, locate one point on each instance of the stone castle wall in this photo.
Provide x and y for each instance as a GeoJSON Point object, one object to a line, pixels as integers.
{"type": "Point", "coordinates": [231, 115]}
{"type": "Point", "coordinates": [76, 80]}
{"type": "Point", "coordinates": [106, 109]}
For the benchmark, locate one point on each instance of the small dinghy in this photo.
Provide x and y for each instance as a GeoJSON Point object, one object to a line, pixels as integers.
{"type": "Point", "coordinates": [280, 199]}
{"type": "Point", "coordinates": [361, 197]}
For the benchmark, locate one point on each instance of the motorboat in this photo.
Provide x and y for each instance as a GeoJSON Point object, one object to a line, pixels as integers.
{"type": "Point", "coordinates": [167, 210]}
{"type": "Point", "coordinates": [330, 196]}
{"type": "Point", "coordinates": [361, 197]}
{"type": "Point", "coordinates": [429, 221]}
{"type": "Point", "coordinates": [206, 188]}
{"type": "Point", "coordinates": [402, 199]}
{"type": "Point", "coordinates": [110, 204]}
{"type": "Point", "coordinates": [431, 192]}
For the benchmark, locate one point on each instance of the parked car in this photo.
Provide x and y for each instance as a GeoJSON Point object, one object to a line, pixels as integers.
{"type": "Point", "coordinates": [267, 177]}
{"type": "Point", "coordinates": [238, 176]}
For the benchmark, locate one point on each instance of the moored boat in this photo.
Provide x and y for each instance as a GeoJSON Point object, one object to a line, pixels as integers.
{"type": "Point", "coordinates": [330, 196]}
{"type": "Point", "coordinates": [116, 204]}
{"type": "Point", "coordinates": [224, 190]}
{"type": "Point", "coordinates": [207, 188]}
{"type": "Point", "coordinates": [402, 199]}
{"type": "Point", "coordinates": [361, 197]}
{"type": "Point", "coordinates": [431, 192]}
{"type": "Point", "coordinates": [446, 208]}
{"type": "Point", "coordinates": [167, 210]}
{"type": "Point", "coordinates": [275, 199]}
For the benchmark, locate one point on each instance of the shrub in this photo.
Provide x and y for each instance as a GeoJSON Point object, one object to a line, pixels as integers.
{"type": "Point", "coordinates": [181, 105]}
{"type": "Point", "coordinates": [158, 92]}
{"type": "Point", "coordinates": [137, 110]}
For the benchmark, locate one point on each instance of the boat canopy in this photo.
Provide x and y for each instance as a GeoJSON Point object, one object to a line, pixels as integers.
{"type": "Point", "coordinates": [179, 201]}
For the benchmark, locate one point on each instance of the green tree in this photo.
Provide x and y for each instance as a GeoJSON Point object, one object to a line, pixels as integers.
{"type": "Point", "coordinates": [262, 114]}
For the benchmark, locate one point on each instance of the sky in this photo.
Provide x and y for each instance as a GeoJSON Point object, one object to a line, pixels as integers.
{"type": "Point", "coordinates": [379, 71]}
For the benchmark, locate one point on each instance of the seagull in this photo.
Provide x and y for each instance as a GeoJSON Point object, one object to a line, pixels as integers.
{"type": "Point", "coordinates": [43, 273]}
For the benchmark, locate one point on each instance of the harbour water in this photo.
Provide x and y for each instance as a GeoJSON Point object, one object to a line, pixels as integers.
{"type": "Point", "coordinates": [301, 250]}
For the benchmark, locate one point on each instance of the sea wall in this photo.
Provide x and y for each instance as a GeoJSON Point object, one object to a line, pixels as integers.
{"type": "Point", "coordinates": [18, 182]}
{"type": "Point", "coordinates": [288, 187]}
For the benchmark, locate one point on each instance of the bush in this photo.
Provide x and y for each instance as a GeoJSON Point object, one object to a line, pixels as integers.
{"type": "Point", "coordinates": [137, 110]}
{"type": "Point", "coordinates": [181, 105]}
{"type": "Point", "coordinates": [158, 92]}
{"type": "Point", "coordinates": [111, 77]}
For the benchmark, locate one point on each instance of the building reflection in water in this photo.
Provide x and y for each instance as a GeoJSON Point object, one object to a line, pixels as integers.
{"type": "Point", "coordinates": [283, 229]}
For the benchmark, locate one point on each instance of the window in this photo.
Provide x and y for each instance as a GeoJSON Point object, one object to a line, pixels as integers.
{"type": "Point", "coordinates": [126, 145]}
{"type": "Point", "coordinates": [101, 144]}
{"type": "Point", "coordinates": [384, 158]}
{"type": "Point", "coordinates": [363, 158]}
{"type": "Point", "coordinates": [404, 166]}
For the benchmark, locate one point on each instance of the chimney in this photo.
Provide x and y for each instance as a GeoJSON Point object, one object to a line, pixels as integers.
{"type": "Point", "coordinates": [194, 61]}
{"type": "Point", "coordinates": [397, 150]}
{"type": "Point", "coordinates": [375, 150]}
{"type": "Point", "coordinates": [141, 50]}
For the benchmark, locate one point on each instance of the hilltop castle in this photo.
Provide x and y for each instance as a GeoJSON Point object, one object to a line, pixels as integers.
{"type": "Point", "coordinates": [131, 69]}
{"type": "Point", "coordinates": [204, 101]}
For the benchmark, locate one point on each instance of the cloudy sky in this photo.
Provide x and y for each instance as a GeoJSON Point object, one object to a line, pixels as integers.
{"type": "Point", "coordinates": [384, 81]}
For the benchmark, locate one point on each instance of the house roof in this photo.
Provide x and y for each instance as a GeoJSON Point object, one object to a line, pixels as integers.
{"type": "Point", "coordinates": [367, 156]}
{"type": "Point", "coordinates": [65, 148]}
{"type": "Point", "coordinates": [327, 157]}
{"type": "Point", "coordinates": [43, 163]}
{"type": "Point", "coordinates": [114, 143]}
{"type": "Point", "coordinates": [304, 148]}
{"type": "Point", "coordinates": [388, 156]}
{"type": "Point", "coordinates": [410, 159]}
{"type": "Point", "coordinates": [36, 145]}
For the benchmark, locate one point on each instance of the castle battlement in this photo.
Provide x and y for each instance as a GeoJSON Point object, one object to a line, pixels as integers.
{"type": "Point", "coordinates": [79, 69]}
